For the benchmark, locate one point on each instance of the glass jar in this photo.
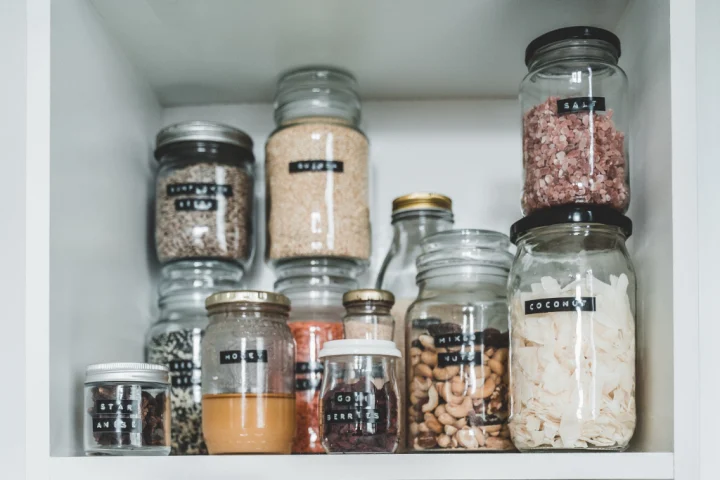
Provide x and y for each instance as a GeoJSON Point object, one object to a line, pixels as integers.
{"type": "Point", "coordinates": [368, 314]}
{"type": "Point", "coordinates": [127, 409]}
{"type": "Point", "coordinates": [316, 168]}
{"type": "Point", "coordinates": [360, 400]}
{"type": "Point", "coordinates": [458, 333]}
{"type": "Point", "coordinates": [572, 312]}
{"type": "Point", "coordinates": [204, 193]}
{"type": "Point", "coordinates": [575, 121]}
{"type": "Point", "coordinates": [315, 287]}
{"type": "Point", "coordinates": [174, 341]}
{"type": "Point", "coordinates": [248, 374]}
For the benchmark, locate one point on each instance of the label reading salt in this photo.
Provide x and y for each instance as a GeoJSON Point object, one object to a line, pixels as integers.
{"type": "Point", "coordinates": [334, 166]}
{"type": "Point", "coordinates": [560, 304]}
{"type": "Point", "coordinates": [580, 104]}
{"type": "Point", "coordinates": [199, 189]}
{"type": "Point", "coordinates": [243, 356]}
{"type": "Point", "coordinates": [117, 406]}
{"type": "Point", "coordinates": [116, 425]}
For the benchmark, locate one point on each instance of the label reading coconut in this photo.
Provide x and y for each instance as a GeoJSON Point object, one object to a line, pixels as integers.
{"type": "Point", "coordinates": [199, 189]}
{"type": "Point", "coordinates": [116, 425]}
{"type": "Point", "coordinates": [243, 356]}
{"type": "Point", "coordinates": [459, 358]}
{"type": "Point", "coordinates": [117, 406]}
{"type": "Point", "coordinates": [355, 415]}
{"type": "Point", "coordinates": [196, 205]}
{"type": "Point", "coordinates": [183, 373]}
{"type": "Point", "coordinates": [334, 166]}
{"type": "Point", "coordinates": [559, 304]}
{"type": "Point", "coordinates": [580, 104]}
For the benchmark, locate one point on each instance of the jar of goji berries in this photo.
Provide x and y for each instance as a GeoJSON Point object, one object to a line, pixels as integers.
{"type": "Point", "coordinates": [315, 287]}
{"type": "Point", "coordinates": [575, 121]}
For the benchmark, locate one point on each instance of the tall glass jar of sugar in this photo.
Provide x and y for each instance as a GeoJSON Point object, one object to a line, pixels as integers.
{"type": "Point", "coordinates": [204, 193]}
{"type": "Point", "coordinates": [248, 377]}
{"type": "Point", "coordinates": [316, 168]}
{"type": "Point", "coordinates": [572, 314]}
{"type": "Point", "coordinates": [575, 121]}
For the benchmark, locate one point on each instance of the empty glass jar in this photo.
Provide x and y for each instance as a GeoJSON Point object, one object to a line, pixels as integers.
{"type": "Point", "coordinates": [248, 376]}
{"type": "Point", "coordinates": [204, 193]}
{"type": "Point", "coordinates": [457, 331]}
{"type": "Point", "coordinates": [575, 121]}
{"type": "Point", "coordinates": [316, 166]}
{"type": "Point", "coordinates": [127, 409]}
{"type": "Point", "coordinates": [368, 314]}
{"type": "Point", "coordinates": [572, 312]}
{"type": "Point", "coordinates": [359, 407]}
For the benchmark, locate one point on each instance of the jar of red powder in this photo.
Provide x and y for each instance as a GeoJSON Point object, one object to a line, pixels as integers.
{"type": "Point", "coordinates": [315, 287]}
{"type": "Point", "coordinates": [575, 121]}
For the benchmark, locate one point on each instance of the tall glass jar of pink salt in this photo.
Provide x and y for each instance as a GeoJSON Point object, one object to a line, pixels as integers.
{"type": "Point", "coordinates": [575, 121]}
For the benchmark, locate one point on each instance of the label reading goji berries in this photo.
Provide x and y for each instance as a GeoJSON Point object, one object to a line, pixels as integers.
{"type": "Point", "coordinates": [559, 304]}
{"type": "Point", "coordinates": [334, 166]}
{"type": "Point", "coordinates": [356, 415]}
{"type": "Point", "coordinates": [580, 104]}
{"type": "Point", "coordinates": [243, 356]}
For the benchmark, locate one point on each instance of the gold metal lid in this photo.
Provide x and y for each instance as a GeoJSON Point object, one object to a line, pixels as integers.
{"type": "Point", "coordinates": [368, 295]}
{"type": "Point", "coordinates": [247, 296]}
{"type": "Point", "coordinates": [417, 201]}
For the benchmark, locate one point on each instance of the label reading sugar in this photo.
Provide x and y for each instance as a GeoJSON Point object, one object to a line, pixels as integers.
{"type": "Point", "coordinates": [199, 189]}
{"type": "Point", "coordinates": [559, 304]}
{"type": "Point", "coordinates": [309, 367]}
{"type": "Point", "coordinates": [116, 425]}
{"type": "Point", "coordinates": [335, 166]}
{"type": "Point", "coordinates": [243, 356]}
{"type": "Point", "coordinates": [459, 358]}
{"type": "Point", "coordinates": [580, 104]}
{"type": "Point", "coordinates": [196, 205]}
{"type": "Point", "coordinates": [117, 406]}
{"type": "Point", "coordinates": [305, 384]}
{"type": "Point", "coordinates": [355, 415]}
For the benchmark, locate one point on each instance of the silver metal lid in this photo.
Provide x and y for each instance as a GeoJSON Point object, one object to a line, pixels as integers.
{"type": "Point", "coordinates": [126, 372]}
{"type": "Point", "coordinates": [201, 131]}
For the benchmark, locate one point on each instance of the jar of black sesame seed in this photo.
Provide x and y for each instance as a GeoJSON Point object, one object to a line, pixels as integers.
{"type": "Point", "coordinates": [174, 341]}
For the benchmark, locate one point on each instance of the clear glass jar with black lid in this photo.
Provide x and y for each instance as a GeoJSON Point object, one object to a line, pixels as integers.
{"type": "Point", "coordinates": [174, 341]}
{"type": "Point", "coordinates": [572, 304]}
{"type": "Point", "coordinates": [204, 193]}
{"type": "Point", "coordinates": [457, 333]}
{"type": "Point", "coordinates": [315, 287]}
{"type": "Point", "coordinates": [248, 374]}
{"type": "Point", "coordinates": [575, 121]}
{"type": "Point", "coordinates": [316, 167]}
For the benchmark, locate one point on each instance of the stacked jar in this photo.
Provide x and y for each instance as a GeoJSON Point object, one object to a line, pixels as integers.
{"type": "Point", "coordinates": [315, 287]}
{"type": "Point", "coordinates": [204, 239]}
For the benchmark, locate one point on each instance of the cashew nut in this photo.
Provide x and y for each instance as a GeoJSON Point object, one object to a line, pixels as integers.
{"type": "Point", "coordinates": [486, 390]}
{"type": "Point", "coordinates": [445, 373]}
{"type": "Point", "coordinates": [496, 366]}
{"type": "Point", "coordinates": [460, 423]}
{"type": "Point", "coordinates": [418, 398]}
{"type": "Point", "coordinates": [429, 358]}
{"type": "Point", "coordinates": [443, 441]}
{"type": "Point", "coordinates": [415, 356]}
{"type": "Point", "coordinates": [482, 371]}
{"type": "Point", "coordinates": [414, 429]}
{"type": "Point", "coordinates": [421, 384]}
{"type": "Point", "coordinates": [427, 341]}
{"type": "Point", "coordinates": [439, 410]}
{"type": "Point", "coordinates": [501, 355]}
{"type": "Point", "coordinates": [489, 430]}
{"type": "Point", "coordinates": [490, 352]}
{"type": "Point", "coordinates": [432, 400]}
{"type": "Point", "coordinates": [432, 423]}
{"type": "Point", "coordinates": [423, 370]}
{"type": "Point", "coordinates": [497, 443]}
{"type": "Point", "coordinates": [446, 419]}
{"type": "Point", "coordinates": [423, 428]}
{"type": "Point", "coordinates": [479, 435]}
{"type": "Point", "coordinates": [448, 395]}
{"type": "Point", "coordinates": [466, 438]}
{"type": "Point", "coordinates": [458, 386]}
{"type": "Point", "coordinates": [450, 430]}
{"type": "Point", "coordinates": [462, 410]}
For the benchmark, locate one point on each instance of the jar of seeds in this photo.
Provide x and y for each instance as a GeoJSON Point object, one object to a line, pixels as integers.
{"type": "Point", "coordinates": [317, 169]}
{"type": "Point", "coordinates": [204, 193]}
{"type": "Point", "coordinates": [174, 341]}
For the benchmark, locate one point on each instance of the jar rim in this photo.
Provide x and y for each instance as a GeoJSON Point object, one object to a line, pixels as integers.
{"type": "Point", "coordinates": [573, 34]}
{"type": "Point", "coordinates": [338, 348]}
{"type": "Point", "coordinates": [571, 214]}
{"type": "Point", "coordinates": [421, 201]}
{"type": "Point", "coordinates": [464, 248]}
{"type": "Point", "coordinates": [126, 372]}
{"type": "Point", "coordinates": [200, 131]}
{"type": "Point", "coordinates": [246, 297]}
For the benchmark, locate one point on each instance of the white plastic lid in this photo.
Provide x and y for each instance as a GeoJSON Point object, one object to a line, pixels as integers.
{"type": "Point", "coordinates": [335, 348]}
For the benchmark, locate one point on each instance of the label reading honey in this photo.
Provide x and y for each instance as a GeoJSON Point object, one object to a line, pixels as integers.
{"type": "Point", "coordinates": [243, 356]}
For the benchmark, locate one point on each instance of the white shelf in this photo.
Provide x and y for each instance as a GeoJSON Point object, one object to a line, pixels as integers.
{"type": "Point", "coordinates": [579, 466]}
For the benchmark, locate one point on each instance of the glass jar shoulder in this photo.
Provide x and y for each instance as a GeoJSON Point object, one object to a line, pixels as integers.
{"type": "Point", "coordinates": [575, 69]}
{"type": "Point", "coordinates": [316, 126]}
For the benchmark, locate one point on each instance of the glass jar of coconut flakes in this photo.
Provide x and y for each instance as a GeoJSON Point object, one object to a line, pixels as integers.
{"type": "Point", "coordinates": [316, 167]}
{"type": "Point", "coordinates": [572, 312]}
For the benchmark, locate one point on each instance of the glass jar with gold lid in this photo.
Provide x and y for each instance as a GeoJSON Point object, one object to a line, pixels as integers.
{"type": "Point", "coordinates": [248, 374]}
{"type": "Point", "coordinates": [368, 314]}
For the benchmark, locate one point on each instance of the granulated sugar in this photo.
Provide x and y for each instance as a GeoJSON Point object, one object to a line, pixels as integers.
{"type": "Point", "coordinates": [317, 191]}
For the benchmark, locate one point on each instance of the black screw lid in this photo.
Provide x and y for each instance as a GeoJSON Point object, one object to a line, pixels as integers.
{"type": "Point", "coordinates": [573, 213]}
{"type": "Point", "coordinates": [571, 33]}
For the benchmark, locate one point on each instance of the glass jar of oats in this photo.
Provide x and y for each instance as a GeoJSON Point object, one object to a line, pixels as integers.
{"type": "Point", "coordinates": [317, 169]}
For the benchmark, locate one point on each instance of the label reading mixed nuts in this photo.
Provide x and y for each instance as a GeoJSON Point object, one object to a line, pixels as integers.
{"type": "Point", "coordinates": [117, 406]}
{"type": "Point", "coordinates": [580, 104]}
{"type": "Point", "coordinates": [334, 166]}
{"type": "Point", "coordinates": [182, 373]}
{"type": "Point", "coordinates": [560, 304]}
{"type": "Point", "coordinates": [459, 358]}
{"type": "Point", "coordinates": [199, 189]}
{"type": "Point", "coordinates": [196, 205]}
{"type": "Point", "coordinates": [243, 356]}
{"type": "Point", "coordinates": [116, 425]}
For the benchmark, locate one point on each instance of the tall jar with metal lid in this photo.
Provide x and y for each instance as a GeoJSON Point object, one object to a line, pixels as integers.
{"type": "Point", "coordinates": [457, 331]}
{"type": "Point", "coordinates": [575, 121]}
{"type": "Point", "coordinates": [316, 167]}
{"type": "Point", "coordinates": [127, 409]}
{"type": "Point", "coordinates": [204, 193]}
{"type": "Point", "coordinates": [248, 378]}
{"type": "Point", "coordinates": [315, 286]}
{"type": "Point", "coordinates": [174, 341]}
{"type": "Point", "coordinates": [572, 312]}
